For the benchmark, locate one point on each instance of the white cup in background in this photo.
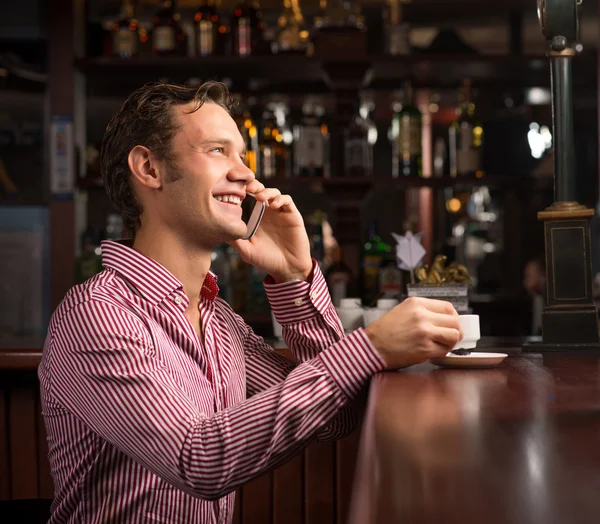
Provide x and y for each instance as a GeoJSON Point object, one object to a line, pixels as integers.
{"type": "Point", "coordinates": [350, 313]}
{"type": "Point", "coordinates": [277, 331]}
{"type": "Point", "coordinates": [372, 314]}
{"type": "Point", "coordinates": [471, 334]}
{"type": "Point", "coordinates": [387, 303]}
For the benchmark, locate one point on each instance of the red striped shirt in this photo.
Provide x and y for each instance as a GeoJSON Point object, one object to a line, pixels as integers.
{"type": "Point", "coordinates": [148, 423]}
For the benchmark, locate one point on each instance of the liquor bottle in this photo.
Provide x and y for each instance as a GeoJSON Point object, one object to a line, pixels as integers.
{"type": "Point", "coordinates": [273, 157]}
{"type": "Point", "coordinates": [338, 277]}
{"type": "Point", "coordinates": [89, 262]}
{"type": "Point", "coordinates": [342, 13]}
{"type": "Point", "coordinates": [168, 37]}
{"type": "Point", "coordinates": [208, 29]}
{"type": "Point", "coordinates": [247, 29]}
{"type": "Point", "coordinates": [390, 276]}
{"type": "Point", "coordinates": [374, 252]}
{"type": "Point", "coordinates": [220, 265]}
{"type": "Point", "coordinates": [315, 236]}
{"type": "Point", "coordinates": [465, 137]}
{"type": "Point", "coordinates": [358, 151]}
{"type": "Point", "coordinates": [292, 36]}
{"type": "Point", "coordinates": [249, 131]}
{"type": "Point", "coordinates": [311, 143]}
{"type": "Point", "coordinates": [398, 42]}
{"type": "Point", "coordinates": [408, 145]}
{"type": "Point", "coordinates": [125, 35]}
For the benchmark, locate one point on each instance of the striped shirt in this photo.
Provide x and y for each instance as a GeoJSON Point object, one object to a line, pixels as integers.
{"type": "Point", "coordinates": [147, 422]}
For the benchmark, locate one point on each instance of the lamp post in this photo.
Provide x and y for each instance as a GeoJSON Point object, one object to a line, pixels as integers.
{"type": "Point", "coordinates": [570, 318]}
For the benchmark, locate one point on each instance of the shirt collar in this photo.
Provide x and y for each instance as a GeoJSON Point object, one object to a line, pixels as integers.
{"type": "Point", "coordinates": [153, 281]}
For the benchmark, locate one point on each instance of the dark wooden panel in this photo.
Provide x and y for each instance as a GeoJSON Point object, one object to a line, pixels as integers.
{"type": "Point", "coordinates": [45, 485]}
{"type": "Point", "coordinates": [23, 442]}
{"type": "Point", "coordinates": [319, 483]}
{"type": "Point", "coordinates": [288, 492]}
{"type": "Point", "coordinates": [237, 509]}
{"type": "Point", "coordinates": [4, 464]}
{"type": "Point", "coordinates": [346, 453]}
{"type": "Point", "coordinates": [257, 500]}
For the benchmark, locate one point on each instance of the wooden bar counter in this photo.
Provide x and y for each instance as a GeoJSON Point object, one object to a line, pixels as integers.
{"type": "Point", "coordinates": [517, 444]}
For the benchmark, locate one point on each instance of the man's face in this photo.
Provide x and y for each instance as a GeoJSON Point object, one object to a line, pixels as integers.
{"type": "Point", "coordinates": [207, 179]}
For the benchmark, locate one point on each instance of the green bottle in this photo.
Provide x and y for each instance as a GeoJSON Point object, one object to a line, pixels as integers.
{"type": "Point", "coordinates": [375, 252]}
{"type": "Point", "coordinates": [408, 141]}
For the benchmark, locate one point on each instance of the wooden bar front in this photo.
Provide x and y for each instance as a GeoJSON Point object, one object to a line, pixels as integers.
{"type": "Point", "coordinates": [312, 488]}
{"type": "Point", "coordinates": [517, 444]}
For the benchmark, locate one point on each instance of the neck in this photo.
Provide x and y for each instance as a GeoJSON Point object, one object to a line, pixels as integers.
{"type": "Point", "coordinates": [188, 263]}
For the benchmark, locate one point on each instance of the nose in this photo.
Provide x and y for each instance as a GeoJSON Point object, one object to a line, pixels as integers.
{"type": "Point", "coordinates": [240, 172]}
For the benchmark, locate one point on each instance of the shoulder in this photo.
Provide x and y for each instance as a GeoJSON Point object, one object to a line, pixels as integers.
{"type": "Point", "coordinates": [97, 308]}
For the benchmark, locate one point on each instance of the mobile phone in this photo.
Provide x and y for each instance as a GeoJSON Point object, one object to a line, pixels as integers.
{"type": "Point", "coordinates": [252, 213]}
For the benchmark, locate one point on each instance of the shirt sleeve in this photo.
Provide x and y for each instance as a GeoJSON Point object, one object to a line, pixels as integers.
{"type": "Point", "coordinates": [103, 352]}
{"type": "Point", "coordinates": [310, 324]}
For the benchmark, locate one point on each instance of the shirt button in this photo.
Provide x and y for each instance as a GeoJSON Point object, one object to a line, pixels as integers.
{"type": "Point", "coordinates": [314, 295]}
{"type": "Point", "coordinates": [177, 299]}
{"type": "Point", "coordinates": [298, 301]}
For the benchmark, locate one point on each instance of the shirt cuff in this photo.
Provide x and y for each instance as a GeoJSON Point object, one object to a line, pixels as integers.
{"type": "Point", "coordinates": [299, 300]}
{"type": "Point", "coordinates": [352, 361]}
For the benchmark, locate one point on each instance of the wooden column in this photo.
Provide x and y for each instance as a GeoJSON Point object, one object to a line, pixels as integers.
{"type": "Point", "coordinates": [61, 92]}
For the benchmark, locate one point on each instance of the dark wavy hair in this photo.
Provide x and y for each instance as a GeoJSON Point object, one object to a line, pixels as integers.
{"type": "Point", "coordinates": [146, 119]}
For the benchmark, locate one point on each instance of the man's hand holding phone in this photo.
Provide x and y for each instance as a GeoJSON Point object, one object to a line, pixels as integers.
{"type": "Point", "coordinates": [280, 245]}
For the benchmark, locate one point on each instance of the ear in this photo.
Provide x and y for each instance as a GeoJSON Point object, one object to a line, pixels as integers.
{"type": "Point", "coordinates": [144, 167]}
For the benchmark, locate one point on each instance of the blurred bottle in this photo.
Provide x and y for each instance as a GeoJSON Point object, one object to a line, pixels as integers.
{"type": "Point", "coordinates": [247, 28]}
{"type": "Point", "coordinates": [114, 227]}
{"type": "Point", "coordinates": [439, 157]}
{"type": "Point", "coordinates": [292, 36]}
{"type": "Point", "coordinates": [398, 31]}
{"type": "Point", "coordinates": [311, 142]}
{"type": "Point", "coordinates": [125, 36]}
{"type": "Point", "coordinates": [358, 151]}
{"type": "Point", "coordinates": [315, 236]}
{"type": "Point", "coordinates": [339, 278]}
{"type": "Point", "coordinates": [273, 157]}
{"type": "Point", "coordinates": [221, 266]}
{"type": "Point", "coordinates": [239, 278]}
{"type": "Point", "coordinates": [168, 37]}
{"type": "Point", "coordinates": [390, 276]}
{"type": "Point", "coordinates": [209, 30]}
{"type": "Point", "coordinates": [408, 145]}
{"type": "Point", "coordinates": [465, 137]}
{"type": "Point", "coordinates": [249, 131]}
{"type": "Point", "coordinates": [374, 252]}
{"type": "Point", "coordinates": [89, 262]}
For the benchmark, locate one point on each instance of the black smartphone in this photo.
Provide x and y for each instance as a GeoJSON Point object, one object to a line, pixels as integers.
{"type": "Point", "coordinates": [252, 213]}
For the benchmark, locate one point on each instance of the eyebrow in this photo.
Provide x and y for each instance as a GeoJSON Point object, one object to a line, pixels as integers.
{"type": "Point", "coordinates": [222, 142]}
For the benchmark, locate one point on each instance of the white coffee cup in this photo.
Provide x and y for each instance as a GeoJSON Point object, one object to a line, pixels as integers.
{"type": "Point", "coordinates": [471, 334]}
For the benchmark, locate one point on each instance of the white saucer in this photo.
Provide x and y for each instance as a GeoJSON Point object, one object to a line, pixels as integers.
{"type": "Point", "coordinates": [474, 360]}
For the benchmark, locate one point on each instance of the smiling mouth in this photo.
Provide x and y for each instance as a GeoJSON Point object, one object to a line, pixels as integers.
{"type": "Point", "coordinates": [229, 199]}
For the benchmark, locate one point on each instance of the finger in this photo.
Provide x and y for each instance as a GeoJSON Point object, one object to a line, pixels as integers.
{"type": "Point", "coordinates": [444, 320]}
{"type": "Point", "coordinates": [447, 337]}
{"type": "Point", "coordinates": [439, 306]}
{"type": "Point", "coordinates": [267, 194]}
{"type": "Point", "coordinates": [281, 201]}
{"type": "Point", "coordinates": [256, 186]}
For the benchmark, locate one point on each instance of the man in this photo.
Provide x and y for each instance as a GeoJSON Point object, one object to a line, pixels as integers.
{"type": "Point", "coordinates": [158, 399]}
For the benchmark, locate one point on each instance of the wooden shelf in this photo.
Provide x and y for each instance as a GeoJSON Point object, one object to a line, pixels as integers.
{"type": "Point", "coordinates": [295, 73]}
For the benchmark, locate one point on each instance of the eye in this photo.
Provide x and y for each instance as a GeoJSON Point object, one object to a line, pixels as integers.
{"type": "Point", "coordinates": [218, 149]}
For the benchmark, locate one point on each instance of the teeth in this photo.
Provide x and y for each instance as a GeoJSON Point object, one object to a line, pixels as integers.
{"type": "Point", "coordinates": [232, 199]}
